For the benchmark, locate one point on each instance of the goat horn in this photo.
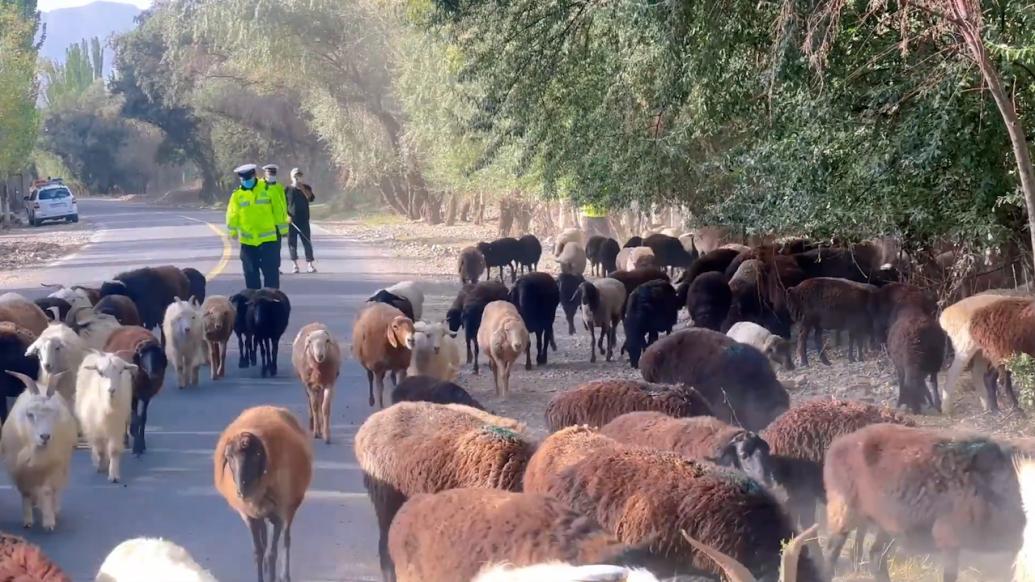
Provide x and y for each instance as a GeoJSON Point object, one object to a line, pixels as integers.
{"type": "Point", "coordinates": [56, 313]}
{"type": "Point", "coordinates": [734, 570]}
{"type": "Point", "coordinates": [30, 384]}
{"type": "Point", "coordinates": [789, 560]}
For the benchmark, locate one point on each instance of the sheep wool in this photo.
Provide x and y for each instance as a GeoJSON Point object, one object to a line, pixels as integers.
{"type": "Point", "coordinates": [598, 402]}
{"type": "Point", "coordinates": [151, 559]}
{"type": "Point", "coordinates": [60, 351]}
{"type": "Point", "coordinates": [316, 356]}
{"type": "Point", "coordinates": [23, 561]}
{"type": "Point", "coordinates": [184, 341]}
{"type": "Point", "coordinates": [104, 393]}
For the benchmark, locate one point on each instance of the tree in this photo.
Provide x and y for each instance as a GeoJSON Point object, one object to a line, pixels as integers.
{"type": "Point", "coordinates": [19, 121]}
{"type": "Point", "coordinates": [65, 82]}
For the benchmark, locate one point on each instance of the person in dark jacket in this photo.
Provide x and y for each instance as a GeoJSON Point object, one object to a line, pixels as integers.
{"type": "Point", "coordinates": [299, 195]}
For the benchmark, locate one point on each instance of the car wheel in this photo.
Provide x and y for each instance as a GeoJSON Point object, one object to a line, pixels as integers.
{"type": "Point", "coordinates": [73, 218]}
{"type": "Point", "coordinates": [33, 221]}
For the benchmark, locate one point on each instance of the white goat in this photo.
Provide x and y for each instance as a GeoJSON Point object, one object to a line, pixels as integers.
{"type": "Point", "coordinates": [36, 444]}
{"type": "Point", "coordinates": [184, 340]}
{"type": "Point", "coordinates": [435, 352]}
{"type": "Point", "coordinates": [409, 290]}
{"type": "Point", "coordinates": [103, 393]}
{"type": "Point", "coordinates": [59, 350]}
{"type": "Point", "coordinates": [76, 298]}
{"type": "Point", "coordinates": [152, 559]}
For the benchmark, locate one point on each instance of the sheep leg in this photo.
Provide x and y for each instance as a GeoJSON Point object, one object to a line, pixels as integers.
{"type": "Point", "coordinates": [287, 552]}
{"type": "Point", "coordinates": [835, 543]}
{"type": "Point", "coordinates": [528, 351]}
{"type": "Point", "coordinates": [274, 546]}
{"type": "Point", "coordinates": [476, 358]}
{"type": "Point", "coordinates": [223, 345]}
{"type": "Point", "coordinates": [114, 462]}
{"type": "Point", "coordinates": [95, 457]}
{"type": "Point", "coordinates": [1011, 394]}
{"type": "Point", "coordinates": [571, 328]}
{"type": "Point", "coordinates": [610, 343]}
{"type": "Point", "coordinates": [592, 343]}
{"type": "Point", "coordinates": [325, 415]}
{"type": "Point", "coordinates": [991, 382]}
{"type": "Point", "coordinates": [541, 352]}
{"type": "Point", "coordinates": [495, 375]}
{"type": "Point", "coordinates": [370, 382]}
{"type": "Point", "coordinates": [242, 361]}
{"type": "Point", "coordinates": [553, 341]}
{"type": "Point", "coordinates": [950, 565]}
{"type": "Point", "coordinates": [600, 339]}
{"type": "Point", "coordinates": [859, 545]}
{"type": "Point", "coordinates": [309, 397]}
{"type": "Point", "coordinates": [379, 378]}
{"type": "Point", "coordinates": [505, 378]}
{"type": "Point", "coordinates": [274, 354]}
{"type": "Point", "coordinates": [819, 347]}
{"type": "Point", "coordinates": [258, 529]}
{"type": "Point", "coordinates": [48, 511]}
{"type": "Point", "coordinates": [803, 336]}
{"type": "Point", "coordinates": [935, 399]}
{"type": "Point", "coordinates": [879, 552]}
{"type": "Point", "coordinates": [140, 420]}
{"type": "Point", "coordinates": [27, 517]}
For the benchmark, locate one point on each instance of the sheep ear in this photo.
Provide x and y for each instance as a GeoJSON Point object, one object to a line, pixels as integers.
{"type": "Point", "coordinates": [30, 384]}
{"type": "Point", "coordinates": [56, 313]}
{"type": "Point", "coordinates": [734, 570]}
{"type": "Point", "coordinates": [131, 367]}
{"type": "Point", "coordinates": [33, 350]}
{"type": "Point", "coordinates": [392, 339]}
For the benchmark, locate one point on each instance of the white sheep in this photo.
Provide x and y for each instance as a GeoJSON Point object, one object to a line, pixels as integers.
{"type": "Point", "coordinates": [568, 235]}
{"type": "Point", "coordinates": [503, 337]}
{"type": "Point", "coordinates": [632, 258]}
{"type": "Point", "coordinates": [151, 559]}
{"type": "Point", "coordinates": [573, 259]}
{"type": "Point", "coordinates": [409, 290]}
{"type": "Point", "coordinates": [561, 572]}
{"type": "Point", "coordinates": [60, 351]}
{"type": "Point", "coordinates": [603, 301]}
{"type": "Point", "coordinates": [36, 444]}
{"type": "Point", "coordinates": [103, 394]}
{"type": "Point", "coordinates": [184, 340]}
{"type": "Point", "coordinates": [92, 327]}
{"type": "Point", "coordinates": [955, 320]}
{"type": "Point", "coordinates": [435, 352]}
{"type": "Point", "coordinates": [316, 356]}
{"type": "Point", "coordinates": [775, 347]}
{"type": "Point", "coordinates": [76, 297]}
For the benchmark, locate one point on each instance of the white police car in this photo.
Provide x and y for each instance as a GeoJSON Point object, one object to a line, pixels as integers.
{"type": "Point", "coordinates": [50, 200]}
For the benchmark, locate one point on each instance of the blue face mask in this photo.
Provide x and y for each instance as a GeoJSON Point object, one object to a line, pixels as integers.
{"type": "Point", "coordinates": [248, 184]}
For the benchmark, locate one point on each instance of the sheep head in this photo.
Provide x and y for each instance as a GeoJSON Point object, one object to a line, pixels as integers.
{"type": "Point", "coordinates": [41, 413]}
{"type": "Point", "coordinates": [781, 351]}
{"type": "Point", "coordinates": [400, 332]}
{"type": "Point", "coordinates": [246, 457]}
{"type": "Point", "coordinates": [56, 347]}
{"type": "Point", "coordinates": [318, 344]}
{"type": "Point", "coordinates": [748, 453]}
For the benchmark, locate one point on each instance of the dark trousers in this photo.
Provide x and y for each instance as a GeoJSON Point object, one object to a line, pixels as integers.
{"type": "Point", "coordinates": [307, 240]}
{"type": "Point", "coordinates": [260, 265]}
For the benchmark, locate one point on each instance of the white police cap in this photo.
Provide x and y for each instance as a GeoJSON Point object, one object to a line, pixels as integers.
{"type": "Point", "coordinates": [245, 169]}
{"type": "Point", "coordinates": [271, 168]}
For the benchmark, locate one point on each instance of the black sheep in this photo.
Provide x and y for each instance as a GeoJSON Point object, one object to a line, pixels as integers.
{"type": "Point", "coordinates": [468, 308]}
{"type": "Point", "coordinates": [245, 346]}
{"type": "Point", "coordinates": [267, 319]}
{"type": "Point", "coordinates": [855, 264]}
{"type": "Point", "coordinates": [634, 241]}
{"type": "Point", "coordinates": [717, 260]}
{"type": "Point", "coordinates": [454, 315]}
{"type": "Point", "coordinates": [636, 277]}
{"type": "Point", "coordinates": [428, 389]}
{"type": "Point", "coordinates": [197, 284]}
{"type": "Point", "coordinates": [536, 296]}
{"type": "Point", "coordinates": [669, 252]}
{"type": "Point", "coordinates": [502, 252]}
{"type": "Point", "coordinates": [568, 283]}
{"type": "Point", "coordinates": [400, 303]}
{"type": "Point", "coordinates": [152, 289]}
{"type": "Point", "coordinates": [593, 246]}
{"type": "Point", "coordinates": [651, 308]}
{"type": "Point", "coordinates": [529, 252]}
{"type": "Point", "coordinates": [608, 256]}
{"type": "Point", "coordinates": [47, 304]}
{"type": "Point", "coordinates": [14, 341]}
{"type": "Point", "coordinates": [708, 300]}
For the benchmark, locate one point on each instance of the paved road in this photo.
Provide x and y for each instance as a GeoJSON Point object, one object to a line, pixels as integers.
{"type": "Point", "coordinates": [168, 492]}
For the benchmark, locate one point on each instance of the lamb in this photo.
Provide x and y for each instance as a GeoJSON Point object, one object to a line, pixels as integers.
{"type": "Point", "coordinates": [196, 284]}
{"type": "Point", "coordinates": [428, 389]}
{"type": "Point", "coordinates": [495, 526]}
{"type": "Point", "coordinates": [1024, 563]}
{"type": "Point", "coordinates": [568, 235]}
{"type": "Point", "coordinates": [152, 289]}
{"type": "Point", "coordinates": [949, 491]}
{"type": "Point", "coordinates": [701, 438]}
{"type": "Point", "coordinates": [470, 265]}
{"type": "Point", "coordinates": [92, 327]}
{"type": "Point", "coordinates": [103, 395]}
{"type": "Point", "coordinates": [636, 277]}
{"type": "Point", "coordinates": [599, 402]}
{"type": "Point", "coordinates": [708, 299]}
{"type": "Point", "coordinates": [401, 303]}
{"type": "Point", "coordinates": [643, 496]}
{"type": "Point", "coordinates": [798, 441]}
{"type": "Point", "coordinates": [60, 351]}
{"type": "Point", "coordinates": [652, 308]}
{"type": "Point", "coordinates": [267, 319]}
{"type": "Point", "coordinates": [36, 443]}
{"type": "Point", "coordinates": [467, 312]}
{"type": "Point", "coordinates": [530, 252]}
{"type": "Point", "coordinates": [503, 337]}
{"type": "Point", "coordinates": [262, 466]}
{"type": "Point", "coordinates": [501, 253]}
{"type": "Point", "coordinates": [593, 246]}
{"type": "Point", "coordinates": [572, 259]}
{"type": "Point", "coordinates": [631, 258]}
{"type": "Point", "coordinates": [955, 320]}
{"type": "Point", "coordinates": [602, 303]}
{"type": "Point", "coordinates": [1002, 330]}
{"type": "Point", "coordinates": [669, 252]}
{"type": "Point", "coordinates": [412, 292]}
{"type": "Point", "coordinates": [184, 341]}
{"type": "Point", "coordinates": [829, 303]}
{"type": "Point", "coordinates": [716, 260]}
{"type": "Point", "coordinates": [536, 296]}
{"type": "Point", "coordinates": [22, 561]}
{"type": "Point", "coordinates": [568, 285]}
{"type": "Point", "coordinates": [14, 343]}
{"type": "Point", "coordinates": [736, 379]}
{"type": "Point", "coordinates": [151, 559]}
{"type": "Point", "coordinates": [217, 320]}
{"type": "Point", "coordinates": [245, 345]}
{"type": "Point", "coordinates": [121, 308]}
{"type": "Point", "coordinates": [420, 447]}
{"type": "Point", "coordinates": [56, 309]}
{"type": "Point", "coordinates": [149, 358]}
{"type": "Point", "coordinates": [916, 345]}
{"type": "Point", "coordinates": [773, 346]}
{"type": "Point", "coordinates": [316, 356]}
{"type": "Point", "coordinates": [382, 340]}
{"type": "Point", "coordinates": [23, 313]}
{"type": "Point", "coordinates": [435, 352]}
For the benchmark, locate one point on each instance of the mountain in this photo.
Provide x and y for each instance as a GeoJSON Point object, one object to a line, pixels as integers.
{"type": "Point", "coordinates": [67, 26]}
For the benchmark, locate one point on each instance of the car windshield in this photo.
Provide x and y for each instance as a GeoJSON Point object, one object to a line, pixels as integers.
{"type": "Point", "coordinates": [54, 194]}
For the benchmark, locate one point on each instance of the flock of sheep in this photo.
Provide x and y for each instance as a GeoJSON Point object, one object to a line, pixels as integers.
{"type": "Point", "coordinates": [703, 468]}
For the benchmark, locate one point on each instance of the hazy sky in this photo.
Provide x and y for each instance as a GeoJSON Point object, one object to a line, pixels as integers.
{"type": "Point", "coordinates": [55, 4]}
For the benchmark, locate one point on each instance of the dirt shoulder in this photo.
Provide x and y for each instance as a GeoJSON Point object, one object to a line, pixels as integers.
{"type": "Point", "coordinates": [28, 247]}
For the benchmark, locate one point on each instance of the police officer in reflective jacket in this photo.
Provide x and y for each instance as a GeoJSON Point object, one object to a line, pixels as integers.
{"type": "Point", "coordinates": [251, 218]}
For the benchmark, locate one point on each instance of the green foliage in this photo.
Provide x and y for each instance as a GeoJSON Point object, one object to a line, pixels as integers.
{"type": "Point", "coordinates": [66, 82]}
{"type": "Point", "coordinates": [1022, 367]}
{"type": "Point", "coordinates": [19, 121]}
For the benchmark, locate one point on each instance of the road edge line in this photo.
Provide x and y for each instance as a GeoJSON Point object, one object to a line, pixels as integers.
{"type": "Point", "coordinates": [224, 260]}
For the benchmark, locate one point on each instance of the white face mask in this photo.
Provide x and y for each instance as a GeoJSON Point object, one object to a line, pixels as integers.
{"type": "Point", "coordinates": [271, 179]}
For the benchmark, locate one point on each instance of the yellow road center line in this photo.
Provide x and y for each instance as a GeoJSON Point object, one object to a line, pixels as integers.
{"type": "Point", "coordinates": [224, 260]}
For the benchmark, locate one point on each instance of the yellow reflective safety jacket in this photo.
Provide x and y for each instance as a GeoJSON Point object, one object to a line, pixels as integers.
{"type": "Point", "coordinates": [279, 197]}
{"type": "Point", "coordinates": [593, 211]}
{"type": "Point", "coordinates": [250, 215]}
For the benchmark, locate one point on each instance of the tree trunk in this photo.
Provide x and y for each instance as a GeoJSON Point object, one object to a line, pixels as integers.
{"type": "Point", "coordinates": [479, 215]}
{"type": "Point", "coordinates": [465, 210]}
{"type": "Point", "coordinates": [1022, 155]}
{"type": "Point", "coordinates": [451, 205]}
{"type": "Point", "coordinates": [5, 207]}
{"type": "Point", "coordinates": [390, 195]}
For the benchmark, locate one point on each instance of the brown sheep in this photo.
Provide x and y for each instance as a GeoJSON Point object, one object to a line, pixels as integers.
{"type": "Point", "coordinates": [176, 281]}
{"type": "Point", "coordinates": [598, 402]}
{"type": "Point", "coordinates": [382, 340]}
{"type": "Point", "coordinates": [798, 442]}
{"type": "Point", "coordinates": [736, 379]}
{"type": "Point", "coordinates": [470, 265]}
{"type": "Point", "coordinates": [701, 438]}
{"type": "Point", "coordinates": [420, 447]}
{"type": "Point", "coordinates": [956, 321]}
{"type": "Point", "coordinates": [503, 337]}
{"type": "Point", "coordinates": [946, 491]}
{"type": "Point", "coordinates": [262, 466]}
{"type": "Point", "coordinates": [830, 303]}
{"type": "Point", "coordinates": [1002, 330]}
{"type": "Point", "coordinates": [519, 529]}
{"type": "Point", "coordinates": [217, 319]}
{"type": "Point", "coordinates": [121, 308]}
{"type": "Point", "coordinates": [316, 356]}
{"type": "Point", "coordinates": [21, 561]}
{"type": "Point", "coordinates": [916, 345]}
{"type": "Point", "coordinates": [23, 313]}
{"type": "Point", "coordinates": [646, 497]}
{"type": "Point", "coordinates": [143, 350]}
